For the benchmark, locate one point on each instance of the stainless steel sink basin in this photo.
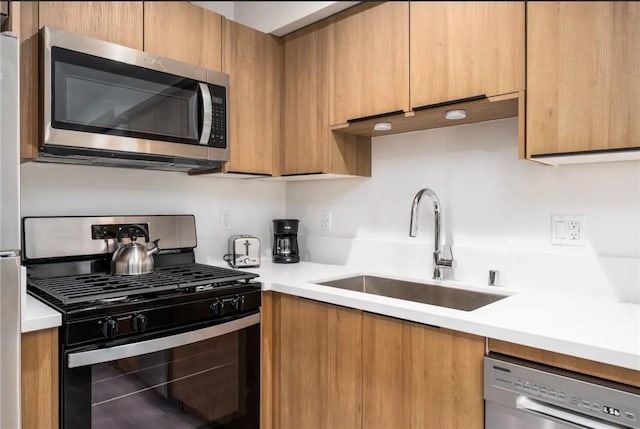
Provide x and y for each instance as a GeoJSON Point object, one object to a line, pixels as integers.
{"type": "Point", "coordinates": [442, 296]}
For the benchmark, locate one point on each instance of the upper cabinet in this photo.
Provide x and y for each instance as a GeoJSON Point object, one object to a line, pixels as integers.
{"type": "Point", "coordinates": [116, 22]}
{"type": "Point", "coordinates": [309, 146]}
{"type": "Point", "coordinates": [370, 61]}
{"type": "Point", "coordinates": [253, 61]}
{"type": "Point", "coordinates": [583, 76]}
{"type": "Point", "coordinates": [461, 50]}
{"type": "Point", "coordinates": [183, 32]}
{"type": "Point", "coordinates": [405, 62]}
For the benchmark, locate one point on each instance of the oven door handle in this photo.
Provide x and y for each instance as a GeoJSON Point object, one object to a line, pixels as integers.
{"type": "Point", "coordinates": [91, 357]}
{"type": "Point", "coordinates": [565, 416]}
{"type": "Point", "coordinates": [207, 113]}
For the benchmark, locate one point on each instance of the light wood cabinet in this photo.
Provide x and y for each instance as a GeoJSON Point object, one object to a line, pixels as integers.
{"type": "Point", "coordinates": [317, 355]}
{"type": "Point", "coordinates": [417, 376]}
{"type": "Point", "coordinates": [116, 22]}
{"type": "Point", "coordinates": [331, 367]}
{"type": "Point", "coordinates": [583, 76]}
{"type": "Point", "coordinates": [253, 61]}
{"type": "Point", "coordinates": [183, 32]}
{"type": "Point", "coordinates": [465, 49]}
{"type": "Point", "coordinates": [369, 61]}
{"type": "Point", "coordinates": [309, 146]}
{"type": "Point", "coordinates": [40, 379]}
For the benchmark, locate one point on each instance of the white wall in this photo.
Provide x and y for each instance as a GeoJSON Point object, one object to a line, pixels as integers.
{"type": "Point", "coordinates": [497, 213]}
{"type": "Point", "coordinates": [58, 190]}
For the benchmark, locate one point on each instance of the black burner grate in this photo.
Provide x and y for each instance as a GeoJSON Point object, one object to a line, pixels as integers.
{"type": "Point", "coordinates": [99, 286]}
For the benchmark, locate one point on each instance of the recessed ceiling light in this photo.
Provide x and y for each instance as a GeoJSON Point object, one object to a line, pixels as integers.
{"type": "Point", "coordinates": [382, 126]}
{"type": "Point", "coordinates": [455, 114]}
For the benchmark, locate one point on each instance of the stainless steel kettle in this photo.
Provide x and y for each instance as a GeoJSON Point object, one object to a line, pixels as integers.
{"type": "Point", "coordinates": [133, 258]}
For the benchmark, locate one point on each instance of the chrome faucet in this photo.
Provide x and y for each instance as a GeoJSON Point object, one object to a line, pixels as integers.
{"type": "Point", "coordinates": [438, 261]}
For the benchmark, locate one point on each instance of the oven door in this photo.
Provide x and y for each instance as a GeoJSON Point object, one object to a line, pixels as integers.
{"type": "Point", "coordinates": [207, 378]}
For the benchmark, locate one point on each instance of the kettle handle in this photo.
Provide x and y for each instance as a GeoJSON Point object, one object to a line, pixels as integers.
{"type": "Point", "coordinates": [133, 232]}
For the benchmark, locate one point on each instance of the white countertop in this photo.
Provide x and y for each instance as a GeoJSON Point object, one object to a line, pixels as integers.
{"type": "Point", "coordinates": [607, 332]}
{"type": "Point", "coordinates": [37, 316]}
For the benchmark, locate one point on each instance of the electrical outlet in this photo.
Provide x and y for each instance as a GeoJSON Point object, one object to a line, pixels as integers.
{"type": "Point", "coordinates": [568, 230]}
{"type": "Point", "coordinates": [225, 219]}
{"type": "Point", "coordinates": [325, 220]}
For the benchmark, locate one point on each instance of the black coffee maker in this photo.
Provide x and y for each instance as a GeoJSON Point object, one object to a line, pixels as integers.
{"type": "Point", "coordinates": [285, 241]}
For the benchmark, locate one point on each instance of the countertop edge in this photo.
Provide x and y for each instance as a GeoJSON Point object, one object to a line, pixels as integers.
{"type": "Point", "coordinates": [463, 323]}
{"type": "Point", "coordinates": [39, 316]}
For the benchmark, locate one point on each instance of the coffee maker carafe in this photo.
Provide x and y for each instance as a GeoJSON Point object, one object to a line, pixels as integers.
{"type": "Point", "coordinates": [285, 241]}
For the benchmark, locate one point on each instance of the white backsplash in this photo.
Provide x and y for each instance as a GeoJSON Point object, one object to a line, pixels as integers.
{"type": "Point", "coordinates": [496, 213]}
{"type": "Point", "coordinates": [496, 210]}
{"type": "Point", "coordinates": [60, 190]}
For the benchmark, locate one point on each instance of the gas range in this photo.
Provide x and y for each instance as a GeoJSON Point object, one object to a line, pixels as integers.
{"type": "Point", "coordinates": [144, 350]}
{"type": "Point", "coordinates": [68, 269]}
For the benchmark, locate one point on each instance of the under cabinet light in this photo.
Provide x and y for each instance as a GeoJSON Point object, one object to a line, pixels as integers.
{"type": "Point", "coordinates": [382, 126]}
{"type": "Point", "coordinates": [455, 114]}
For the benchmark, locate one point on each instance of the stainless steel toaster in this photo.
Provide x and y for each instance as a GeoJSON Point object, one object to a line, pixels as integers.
{"type": "Point", "coordinates": [244, 251]}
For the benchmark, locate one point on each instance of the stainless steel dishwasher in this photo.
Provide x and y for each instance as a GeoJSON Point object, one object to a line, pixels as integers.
{"type": "Point", "coordinates": [522, 395]}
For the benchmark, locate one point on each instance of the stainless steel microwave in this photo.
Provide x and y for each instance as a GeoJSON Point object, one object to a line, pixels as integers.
{"type": "Point", "coordinates": [107, 104]}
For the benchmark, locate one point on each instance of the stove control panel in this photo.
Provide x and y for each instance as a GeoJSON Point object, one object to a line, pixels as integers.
{"type": "Point", "coordinates": [225, 306]}
{"type": "Point", "coordinates": [162, 316]}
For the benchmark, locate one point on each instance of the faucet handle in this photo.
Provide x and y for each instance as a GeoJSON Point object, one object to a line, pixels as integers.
{"type": "Point", "coordinates": [446, 262]}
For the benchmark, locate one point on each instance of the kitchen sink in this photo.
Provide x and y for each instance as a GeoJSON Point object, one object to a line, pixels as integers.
{"type": "Point", "coordinates": [442, 296]}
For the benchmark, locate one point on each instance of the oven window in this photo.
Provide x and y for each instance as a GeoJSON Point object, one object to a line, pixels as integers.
{"type": "Point", "coordinates": [102, 96]}
{"type": "Point", "coordinates": [208, 384]}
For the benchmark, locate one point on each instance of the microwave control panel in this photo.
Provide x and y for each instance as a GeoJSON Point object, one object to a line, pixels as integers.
{"type": "Point", "coordinates": [218, 136]}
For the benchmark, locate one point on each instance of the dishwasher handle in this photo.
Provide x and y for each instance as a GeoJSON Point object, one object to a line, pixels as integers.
{"type": "Point", "coordinates": [566, 416]}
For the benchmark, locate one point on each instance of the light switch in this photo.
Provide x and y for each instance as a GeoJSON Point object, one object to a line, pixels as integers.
{"type": "Point", "coordinates": [561, 230]}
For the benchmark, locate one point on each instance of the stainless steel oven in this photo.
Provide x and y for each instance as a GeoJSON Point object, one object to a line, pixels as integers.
{"type": "Point", "coordinates": [524, 395]}
{"type": "Point", "coordinates": [110, 104]}
{"type": "Point", "coordinates": [178, 347]}
{"type": "Point", "coordinates": [206, 378]}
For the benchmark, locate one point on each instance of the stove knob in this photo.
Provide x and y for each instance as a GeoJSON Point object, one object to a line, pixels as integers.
{"type": "Point", "coordinates": [238, 301]}
{"type": "Point", "coordinates": [216, 307]}
{"type": "Point", "coordinates": [109, 328]}
{"type": "Point", "coordinates": [139, 322]}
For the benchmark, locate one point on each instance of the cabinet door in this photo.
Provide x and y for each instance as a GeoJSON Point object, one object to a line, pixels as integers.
{"type": "Point", "coordinates": [40, 379]}
{"type": "Point", "coordinates": [116, 22]}
{"type": "Point", "coordinates": [583, 76]}
{"type": "Point", "coordinates": [253, 61]}
{"type": "Point", "coordinates": [183, 32]}
{"type": "Point", "coordinates": [309, 146]}
{"type": "Point", "coordinates": [465, 49]}
{"type": "Point", "coordinates": [370, 61]}
{"type": "Point", "coordinates": [306, 105]}
{"type": "Point", "coordinates": [417, 376]}
{"type": "Point", "coordinates": [320, 357]}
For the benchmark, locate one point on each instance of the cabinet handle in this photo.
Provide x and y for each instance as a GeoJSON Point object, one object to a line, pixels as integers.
{"type": "Point", "coordinates": [449, 103]}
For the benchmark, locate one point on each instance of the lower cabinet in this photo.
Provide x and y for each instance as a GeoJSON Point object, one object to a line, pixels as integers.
{"type": "Point", "coordinates": [326, 366]}
{"type": "Point", "coordinates": [417, 376]}
{"type": "Point", "coordinates": [40, 379]}
{"type": "Point", "coordinates": [317, 358]}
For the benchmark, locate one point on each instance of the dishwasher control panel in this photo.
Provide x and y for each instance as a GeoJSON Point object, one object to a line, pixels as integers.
{"type": "Point", "coordinates": [541, 391]}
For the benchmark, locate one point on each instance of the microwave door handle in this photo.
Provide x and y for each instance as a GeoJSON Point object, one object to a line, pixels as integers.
{"type": "Point", "coordinates": [207, 113]}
